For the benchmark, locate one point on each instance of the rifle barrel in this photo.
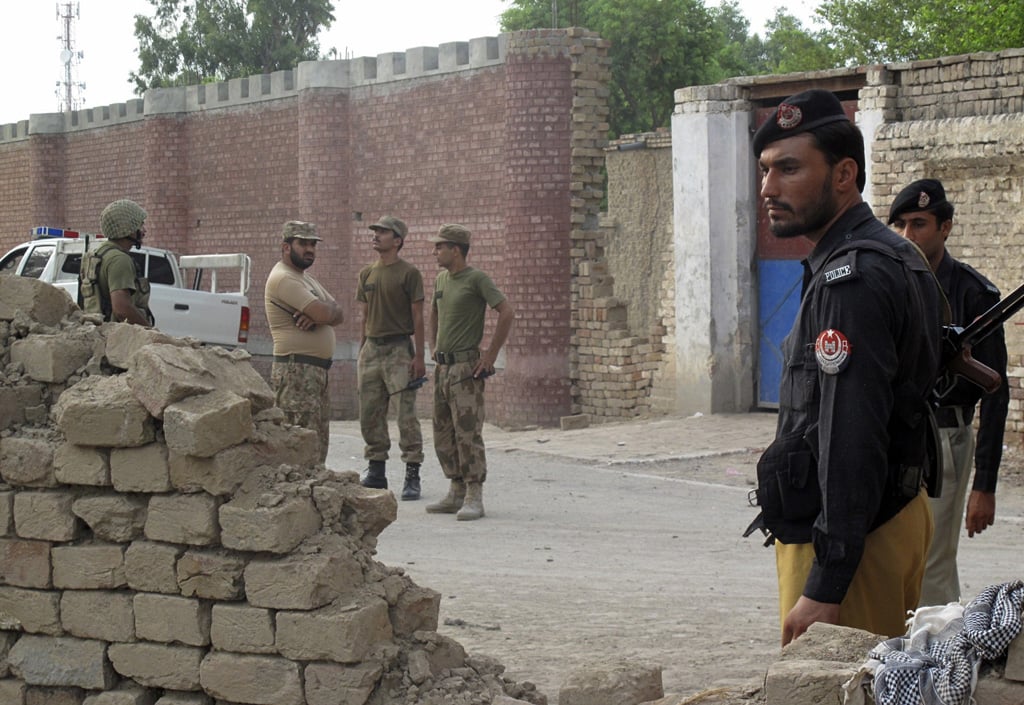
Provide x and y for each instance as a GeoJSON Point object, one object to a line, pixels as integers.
{"type": "Point", "coordinates": [987, 323]}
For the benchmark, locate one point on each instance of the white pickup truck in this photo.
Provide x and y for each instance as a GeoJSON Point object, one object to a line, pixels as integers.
{"type": "Point", "coordinates": [181, 309]}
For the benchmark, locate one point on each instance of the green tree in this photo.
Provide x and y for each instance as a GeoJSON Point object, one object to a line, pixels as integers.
{"type": "Point", "coordinates": [789, 47]}
{"type": "Point", "coordinates": [197, 41]}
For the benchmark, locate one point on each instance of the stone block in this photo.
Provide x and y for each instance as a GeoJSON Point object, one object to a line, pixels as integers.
{"type": "Point", "coordinates": [14, 401]}
{"type": "Point", "coordinates": [98, 614]}
{"type": "Point", "coordinates": [574, 422]}
{"type": "Point", "coordinates": [37, 695]}
{"type": "Point", "coordinates": [113, 517]}
{"type": "Point", "coordinates": [179, 698]}
{"type": "Point", "coordinates": [158, 665]}
{"type": "Point", "coordinates": [7, 640]}
{"type": "Point", "coordinates": [269, 521]}
{"type": "Point", "coordinates": [161, 375]}
{"type": "Point", "coordinates": [355, 509]}
{"type": "Point", "coordinates": [172, 619]}
{"type": "Point", "coordinates": [141, 469]}
{"type": "Point", "coordinates": [25, 563]}
{"type": "Point", "coordinates": [27, 462]}
{"type": "Point", "coordinates": [203, 425]}
{"type": "Point", "coordinates": [303, 581]}
{"type": "Point", "coordinates": [150, 566]}
{"type": "Point", "coordinates": [91, 566]}
{"type": "Point", "coordinates": [46, 515]}
{"type": "Point", "coordinates": [34, 298]}
{"type": "Point", "coordinates": [345, 632]}
{"type": "Point", "coordinates": [12, 691]}
{"type": "Point", "coordinates": [213, 575]}
{"type": "Point", "coordinates": [1015, 659]}
{"type": "Point", "coordinates": [81, 465]}
{"type": "Point", "coordinates": [125, 694]}
{"type": "Point", "coordinates": [6, 512]}
{"type": "Point", "coordinates": [333, 683]}
{"type": "Point", "coordinates": [33, 611]}
{"type": "Point", "coordinates": [123, 341]}
{"type": "Point", "coordinates": [806, 682]}
{"type": "Point", "coordinates": [612, 684]}
{"type": "Point", "coordinates": [259, 680]}
{"type": "Point", "coordinates": [242, 629]}
{"type": "Point", "coordinates": [51, 358]}
{"type": "Point", "coordinates": [188, 519]}
{"type": "Point", "coordinates": [415, 610]}
{"type": "Point", "coordinates": [102, 411]}
{"type": "Point", "coordinates": [61, 661]}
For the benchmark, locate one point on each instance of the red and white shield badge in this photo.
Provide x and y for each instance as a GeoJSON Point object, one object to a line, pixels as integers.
{"type": "Point", "coordinates": [832, 350]}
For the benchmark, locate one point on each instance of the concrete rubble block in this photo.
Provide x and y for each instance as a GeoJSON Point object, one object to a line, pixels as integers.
{"type": "Point", "coordinates": [125, 694]}
{"type": "Point", "coordinates": [622, 683]}
{"type": "Point", "coordinates": [416, 610]}
{"type": "Point", "coordinates": [46, 515]}
{"type": "Point", "coordinates": [39, 695]}
{"type": "Point", "coordinates": [25, 563]}
{"type": "Point", "coordinates": [345, 632]}
{"type": "Point", "coordinates": [12, 691]}
{"type": "Point", "coordinates": [355, 509]}
{"type": "Point", "coordinates": [418, 666]}
{"type": "Point", "coordinates": [206, 424]}
{"type": "Point", "coordinates": [158, 665]}
{"type": "Point", "coordinates": [113, 517]}
{"type": "Point", "coordinates": [38, 300]}
{"type": "Point", "coordinates": [259, 680]}
{"type": "Point", "coordinates": [1015, 659]}
{"type": "Point", "coordinates": [32, 611]}
{"type": "Point", "coordinates": [268, 521]}
{"type": "Point", "coordinates": [102, 411]}
{"type": "Point", "coordinates": [89, 566]}
{"type": "Point", "coordinates": [124, 340]}
{"type": "Point", "coordinates": [170, 619]}
{"type": "Point", "coordinates": [106, 615]}
{"type": "Point", "coordinates": [189, 519]}
{"type": "Point", "coordinates": [303, 581]}
{"type": "Point", "coordinates": [831, 642]}
{"type": "Point", "coordinates": [6, 512]}
{"type": "Point", "coordinates": [150, 566]}
{"type": "Point", "coordinates": [14, 401]}
{"type": "Point", "coordinates": [333, 683]}
{"type": "Point", "coordinates": [51, 358]}
{"type": "Point", "coordinates": [179, 698]}
{"type": "Point", "coordinates": [62, 661]}
{"type": "Point", "coordinates": [140, 469]}
{"type": "Point", "coordinates": [794, 682]}
{"type": "Point", "coordinates": [7, 640]}
{"type": "Point", "coordinates": [27, 462]}
{"type": "Point", "coordinates": [212, 575]}
{"type": "Point", "coordinates": [81, 465]}
{"type": "Point", "coordinates": [161, 375]}
{"type": "Point", "coordinates": [242, 629]}
{"type": "Point", "coordinates": [444, 652]}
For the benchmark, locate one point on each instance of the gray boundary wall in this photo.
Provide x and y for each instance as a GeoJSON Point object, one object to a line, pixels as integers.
{"type": "Point", "coordinates": [413, 63]}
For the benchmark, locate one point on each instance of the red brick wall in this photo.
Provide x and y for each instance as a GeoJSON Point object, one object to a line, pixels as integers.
{"type": "Point", "coordinates": [491, 148]}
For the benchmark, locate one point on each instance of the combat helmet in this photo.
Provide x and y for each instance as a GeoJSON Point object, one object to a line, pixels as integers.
{"type": "Point", "coordinates": [121, 219]}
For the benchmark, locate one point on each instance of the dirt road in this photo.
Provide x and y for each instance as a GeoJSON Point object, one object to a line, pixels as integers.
{"type": "Point", "coordinates": [622, 542]}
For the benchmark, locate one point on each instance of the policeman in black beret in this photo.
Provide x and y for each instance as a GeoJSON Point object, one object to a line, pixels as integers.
{"type": "Point", "coordinates": [840, 487]}
{"type": "Point", "coordinates": [922, 213]}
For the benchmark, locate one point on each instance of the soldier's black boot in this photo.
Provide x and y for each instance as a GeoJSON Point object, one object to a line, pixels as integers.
{"type": "Point", "coordinates": [411, 490]}
{"type": "Point", "coordinates": [374, 476]}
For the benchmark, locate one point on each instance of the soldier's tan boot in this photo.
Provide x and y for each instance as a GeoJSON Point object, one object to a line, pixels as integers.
{"type": "Point", "coordinates": [452, 501]}
{"type": "Point", "coordinates": [473, 506]}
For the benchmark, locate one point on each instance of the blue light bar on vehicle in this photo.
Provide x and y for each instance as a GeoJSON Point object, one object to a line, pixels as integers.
{"type": "Point", "coordinates": [44, 231]}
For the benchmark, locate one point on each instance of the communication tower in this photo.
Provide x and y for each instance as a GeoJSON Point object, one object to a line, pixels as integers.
{"type": "Point", "coordinates": [69, 89]}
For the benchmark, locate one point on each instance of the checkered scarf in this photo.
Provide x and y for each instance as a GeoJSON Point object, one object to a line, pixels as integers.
{"type": "Point", "coordinates": [937, 662]}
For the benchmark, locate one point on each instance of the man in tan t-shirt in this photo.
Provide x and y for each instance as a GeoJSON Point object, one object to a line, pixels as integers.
{"type": "Point", "coordinates": [301, 315]}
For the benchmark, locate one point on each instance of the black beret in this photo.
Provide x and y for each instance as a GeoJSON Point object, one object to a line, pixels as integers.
{"type": "Point", "coordinates": [922, 195]}
{"type": "Point", "coordinates": [799, 113]}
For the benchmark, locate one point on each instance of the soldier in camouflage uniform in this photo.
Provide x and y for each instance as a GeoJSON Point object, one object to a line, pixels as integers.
{"type": "Point", "coordinates": [108, 281]}
{"type": "Point", "coordinates": [301, 315]}
{"type": "Point", "coordinates": [390, 292]}
{"type": "Point", "coordinates": [461, 297]}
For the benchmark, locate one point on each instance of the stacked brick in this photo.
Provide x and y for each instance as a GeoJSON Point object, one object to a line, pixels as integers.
{"type": "Point", "coordinates": [166, 539]}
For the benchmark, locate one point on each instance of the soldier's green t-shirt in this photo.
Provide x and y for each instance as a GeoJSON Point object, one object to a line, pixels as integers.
{"type": "Point", "coordinates": [461, 301]}
{"type": "Point", "coordinates": [389, 292]}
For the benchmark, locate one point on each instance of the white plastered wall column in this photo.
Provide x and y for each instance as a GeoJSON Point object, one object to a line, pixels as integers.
{"type": "Point", "coordinates": [713, 182]}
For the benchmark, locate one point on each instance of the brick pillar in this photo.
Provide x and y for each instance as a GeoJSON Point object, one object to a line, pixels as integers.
{"type": "Point", "coordinates": [165, 185]}
{"type": "Point", "coordinates": [46, 169]}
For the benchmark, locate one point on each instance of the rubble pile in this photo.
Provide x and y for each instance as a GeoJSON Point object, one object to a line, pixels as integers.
{"type": "Point", "coordinates": [166, 539]}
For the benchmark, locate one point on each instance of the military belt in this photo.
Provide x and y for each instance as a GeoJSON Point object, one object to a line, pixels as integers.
{"type": "Point", "coordinates": [450, 358]}
{"type": "Point", "coordinates": [305, 360]}
{"type": "Point", "coordinates": [388, 339]}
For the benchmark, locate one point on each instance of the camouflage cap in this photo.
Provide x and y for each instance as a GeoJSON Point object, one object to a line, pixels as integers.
{"type": "Point", "coordinates": [121, 219]}
{"type": "Point", "coordinates": [299, 229]}
{"type": "Point", "coordinates": [390, 222]}
{"type": "Point", "coordinates": [452, 232]}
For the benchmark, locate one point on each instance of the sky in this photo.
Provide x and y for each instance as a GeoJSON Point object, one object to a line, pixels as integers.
{"type": "Point", "coordinates": [31, 41]}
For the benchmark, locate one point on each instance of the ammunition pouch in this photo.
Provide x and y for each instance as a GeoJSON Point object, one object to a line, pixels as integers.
{"type": "Point", "coordinates": [787, 489]}
{"type": "Point", "coordinates": [90, 294]}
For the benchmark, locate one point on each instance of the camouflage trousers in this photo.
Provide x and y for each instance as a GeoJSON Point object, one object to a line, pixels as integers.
{"type": "Point", "coordinates": [301, 391]}
{"type": "Point", "coordinates": [459, 422]}
{"type": "Point", "coordinates": [382, 370]}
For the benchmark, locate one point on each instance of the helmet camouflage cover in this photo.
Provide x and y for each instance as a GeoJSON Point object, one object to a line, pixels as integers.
{"type": "Point", "coordinates": [121, 219]}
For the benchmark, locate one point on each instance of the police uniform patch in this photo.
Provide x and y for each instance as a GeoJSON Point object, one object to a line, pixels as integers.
{"type": "Point", "coordinates": [788, 116]}
{"type": "Point", "coordinates": [923, 200]}
{"type": "Point", "coordinates": [832, 350]}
